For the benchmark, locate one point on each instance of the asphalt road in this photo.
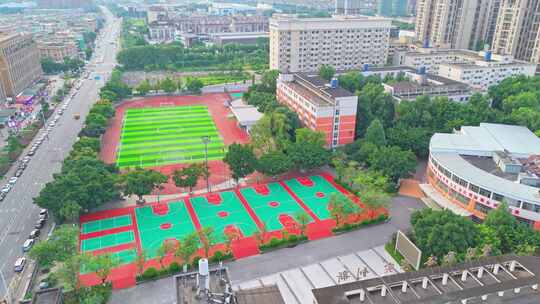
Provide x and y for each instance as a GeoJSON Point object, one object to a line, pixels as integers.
{"type": "Point", "coordinates": [18, 214]}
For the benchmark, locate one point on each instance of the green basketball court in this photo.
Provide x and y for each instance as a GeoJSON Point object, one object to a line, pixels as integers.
{"type": "Point", "coordinates": [319, 205]}
{"type": "Point", "coordinates": [154, 229]}
{"type": "Point", "coordinates": [269, 207]}
{"type": "Point", "coordinates": [106, 224]}
{"type": "Point", "coordinates": [229, 212]}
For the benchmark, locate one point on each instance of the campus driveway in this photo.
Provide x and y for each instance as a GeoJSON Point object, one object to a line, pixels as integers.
{"type": "Point", "coordinates": [163, 291]}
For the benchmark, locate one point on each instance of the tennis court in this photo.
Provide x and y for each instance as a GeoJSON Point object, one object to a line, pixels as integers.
{"type": "Point", "coordinates": [155, 136]}
{"type": "Point", "coordinates": [271, 206]}
{"type": "Point", "coordinates": [154, 229]}
{"type": "Point", "coordinates": [106, 241]}
{"type": "Point", "coordinates": [228, 212]}
{"type": "Point", "coordinates": [106, 224]}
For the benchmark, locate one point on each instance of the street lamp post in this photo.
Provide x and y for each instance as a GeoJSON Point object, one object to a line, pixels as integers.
{"type": "Point", "coordinates": [206, 140]}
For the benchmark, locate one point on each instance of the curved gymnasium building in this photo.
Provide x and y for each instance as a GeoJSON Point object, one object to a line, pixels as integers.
{"type": "Point", "coordinates": [476, 168]}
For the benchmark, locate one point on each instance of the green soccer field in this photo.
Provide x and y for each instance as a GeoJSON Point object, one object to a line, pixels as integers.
{"type": "Point", "coordinates": [167, 135]}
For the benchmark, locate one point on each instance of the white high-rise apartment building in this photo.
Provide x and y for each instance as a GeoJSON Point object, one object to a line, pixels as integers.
{"type": "Point", "coordinates": [458, 24]}
{"type": "Point", "coordinates": [518, 30]}
{"type": "Point", "coordinates": [304, 44]}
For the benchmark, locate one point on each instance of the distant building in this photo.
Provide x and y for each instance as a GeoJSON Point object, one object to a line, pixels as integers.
{"type": "Point", "coordinates": [455, 24]}
{"type": "Point", "coordinates": [156, 13]}
{"type": "Point", "coordinates": [392, 7]}
{"type": "Point", "coordinates": [418, 83]}
{"type": "Point", "coordinates": [20, 64]}
{"type": "Point", "coordinates": [161, 32]}
{"type": "Point", "coordinates": [240, 38]}
{"type": "Point", "coordinates": [346, 43]}
{"type": "Point", "coordinates": [351, 7]}
{"type": "Point", "coordinates": [480, 70]}
{"type": "Point", "coordinates": [57, 51]}
{"type": "Point", "coordinates": [221, 24]}
{"type": "Point", "coordinates": [64, 4]}
{"type": "Point", "coordinates": [518, 30]}
{"type": "Point", "coordinates": [321, 106]}
{"type": "Point", "coordinates": [477, 168]}
{"type": "Point", "coordinates": [507, 279]}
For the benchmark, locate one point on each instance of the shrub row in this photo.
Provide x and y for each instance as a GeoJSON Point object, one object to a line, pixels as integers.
{"type": "Point", "coordinates": [284, 242]}
{"type": "Point", "coordinates": [349, 227]}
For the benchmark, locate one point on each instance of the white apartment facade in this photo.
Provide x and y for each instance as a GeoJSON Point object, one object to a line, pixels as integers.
{"type": "Point", "coordinates": [518, 30]}
{"type": "Point", "coordinates": [346, 43]}
{"type": "Point", "coordinates": [458, 24]}
{"type": "Point", "coordinates": [480, 70]}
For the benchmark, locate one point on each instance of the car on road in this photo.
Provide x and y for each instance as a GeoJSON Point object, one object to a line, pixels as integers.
{"type": "Point", "coordinates": [35, 233]}
{"type": "Point", "coordinates": [19, 264]}
{"type": "Point", "coordinates": [19, 172]}
{"type": "Point", "coordinates": [52, 124]}
{"type": "Point", "coordinates": [28, 245]}
{"type": "Point", "coordinates": [2, 196]}
{"type": "Point", "coordinates": [26, 159]}
{"type": "Point", "coordinates": [31, 152]}
{"type": "Point", "coordinates": [13, 180]}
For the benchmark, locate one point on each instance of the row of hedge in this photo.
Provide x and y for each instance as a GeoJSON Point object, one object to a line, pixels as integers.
{"type": "Point", "coordinates": [152, 273]}
{"type": "Point", "coordinates": [348, 227]}
{"type": "Point", "coordinates": [276, 243]}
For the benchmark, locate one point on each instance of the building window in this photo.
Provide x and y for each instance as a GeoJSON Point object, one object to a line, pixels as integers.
{"type": "Point", "coordinates": [497, 197]}
{"type": "Point", "coordinates": [485, 192]}
{"type": "Point", "coordinates": [482, 208]}
{"type": "Point", "coordinates": [474, 188]}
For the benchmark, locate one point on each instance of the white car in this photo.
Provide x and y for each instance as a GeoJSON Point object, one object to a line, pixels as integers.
{"type": "Point", "coordinates": [52, 124]}
{"type": "Point", "coordinates": [28, 245]}
{"type": "Point", "coordinates": [12, 180]}
{"type": "Point", "coordinates": [19, 264]}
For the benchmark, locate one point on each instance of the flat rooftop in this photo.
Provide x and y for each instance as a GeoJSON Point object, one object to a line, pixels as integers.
{"type": "Point", "coordinates": [448, 284]}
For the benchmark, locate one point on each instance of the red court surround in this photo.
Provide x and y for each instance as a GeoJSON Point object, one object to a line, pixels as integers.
{"type": "Point", "coordinates": [241, 245]}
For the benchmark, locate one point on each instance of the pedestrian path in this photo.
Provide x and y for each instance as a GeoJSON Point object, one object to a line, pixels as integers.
{"type": "Point", "coordinates": [296, 284]}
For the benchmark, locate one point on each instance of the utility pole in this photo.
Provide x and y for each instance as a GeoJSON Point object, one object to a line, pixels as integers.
{"type": "Point", "coordinates": [206, 140]}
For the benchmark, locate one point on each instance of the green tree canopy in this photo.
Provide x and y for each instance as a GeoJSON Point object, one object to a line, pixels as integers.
{"type": "Point", "coordinates": [141, 182]}
{"type": "Point", "coordinates": [241, 160]}
{"type": "Point", "coordinates": [327, 72]}
{"type": "Point", "coordinates": [273, 163]}
{"type": "Point", "coordinates": [308, 151]}
{"type": "Point", "coordinates": [188, 176]}
{"type": "Point", "coordinates": [375, 133]}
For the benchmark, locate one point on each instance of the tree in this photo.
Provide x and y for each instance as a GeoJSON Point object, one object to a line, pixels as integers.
{"type": "Point", "coordinates": [260, 235]}
{"type": "Point", "coordinates": [231, 236]}
{"type": "Point", "coordinates": [68, 272]}
{"type": "Point", "coordinates": [365, 180]}
{"type": "Point", "coordinates": [168, 85]}
{"type": "Point", "coordinates": [241, 160]}
{"type": "Point", "coordinates": [449, 259]}
{"type": "Point", "coordinates": [432, 261]}
{"type": "Point", "coordinates": [101, 264]}
{"type": "Point", "coordinates": [188, 176]}
{"type": "Point", "coordinates": [341, 208]}
{"type": "Point", "coordinates": [167, 248]}
{"type": "Point", "coordinates": [187, 247]}
{"type": "Point", "coordinates": [439, 232]}
{"type": "Point", "coordinates": [194, 85]}
{"type": "Point", "coordinates": [141, 182]}
{"type": "Point", "coordinates": [308, 152]}
{"type": "Point", "coordinates": [374, 199]}
{"type": "Point", "coordinates": [375, 133]}
{"type": "Point", "coordinates": [302, 219]}
{"type": "Point", "coordinates": [62, 244]}
{"type": "Point", "coordinates": [144, 87]}
{"type": "Point", "coordinates": [327, 72]}
{"type": "Point", "coordinates": [373, 103]}
{"type": "Point", "coordinates": [271, 132]}
{"type": "Point", "coordinates": [393, 162]}
{"type": "Point", "coordinates": [273, 163]}
{"type": "Point", "coordinates": [140, 261]}
{"type": "Point", "coordinates": [208, 239]}
{"type": "Point", "coordinates": [84, 181]}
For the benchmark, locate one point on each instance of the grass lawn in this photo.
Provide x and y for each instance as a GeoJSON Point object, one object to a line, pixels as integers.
{"type": "Point", "coordinates": [219, 78]}
{"type": "Point", "coordinates": [167, 135]}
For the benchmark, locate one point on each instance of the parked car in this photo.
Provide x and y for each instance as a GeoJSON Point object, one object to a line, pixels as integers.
{"type": "Point", "coordinates": [35, 233]}
{"type": "Point", "coordinates": [13, 180]}
{"type": "Point", "coordinates": [19, 172]}
{"type": "Point", "coordinates": [2, 196]}
{"type": "Point", "coordinates": [19, 264]}
{"type": "Point", "coordinates": [6, 188]}
{"type": "Point", "coordinates": [28, 245]}
{"type": "Point", "coordinates": [39, 224]}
